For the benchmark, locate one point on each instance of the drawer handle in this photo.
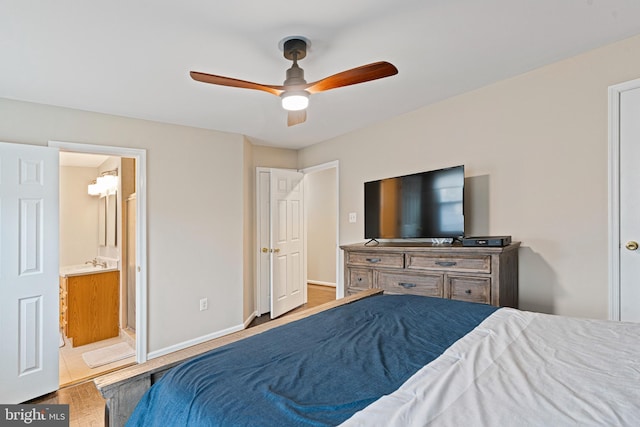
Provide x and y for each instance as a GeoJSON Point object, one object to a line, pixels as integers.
{"type": "Point", "coordinates": [468, 292]}
{"type": "Point", "coordinates": [446, 263]}
{"type": "Point", "coordinates": [407, 285]}
{"type": "Point", "coordinates": [374, 260]}
{"type": "Point", "coordinates": [359, 279]}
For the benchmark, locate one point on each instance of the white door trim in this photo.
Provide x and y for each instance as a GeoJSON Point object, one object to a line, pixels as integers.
{"type": "Point", "coordinates": [140, 155]}
{"type": "Point", "coordinates": [339, 273]}
{"type": "Point", "coordinates": [614, 194]}
{"type": "Point", "coordinates": [260, 288]}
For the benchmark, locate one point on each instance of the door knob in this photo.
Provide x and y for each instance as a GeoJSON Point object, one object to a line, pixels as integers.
{"type": "Point", "coordinates": [631, 245]}
{"type": "Point", "coordinates": [265, 250]}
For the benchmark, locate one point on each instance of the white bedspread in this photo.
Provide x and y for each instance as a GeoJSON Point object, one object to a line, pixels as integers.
{"type": "Point", "coordinates": [523, 369]}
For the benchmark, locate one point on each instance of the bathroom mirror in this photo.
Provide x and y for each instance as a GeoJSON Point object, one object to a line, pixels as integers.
{"type": "Point", "coordinates": [102, 225]}
{"type": "Point", "coordinates": [112, 220]}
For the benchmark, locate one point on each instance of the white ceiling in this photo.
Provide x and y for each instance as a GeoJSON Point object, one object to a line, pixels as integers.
{"type": "Point", "coordinates": [132, 58]}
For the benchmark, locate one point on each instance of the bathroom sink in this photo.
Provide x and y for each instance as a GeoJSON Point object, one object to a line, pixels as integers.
{"type": "Point", "coordinates": [75, 270]}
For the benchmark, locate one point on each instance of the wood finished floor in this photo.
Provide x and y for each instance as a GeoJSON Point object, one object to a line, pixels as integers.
{"type": "Point", "coordinates": [86, 405]}
{"type": "Point", "coordinates": [316, 295]}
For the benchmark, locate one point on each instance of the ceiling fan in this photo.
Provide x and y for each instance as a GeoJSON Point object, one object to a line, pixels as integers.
{"type": "Point", "coordinates": [295, 90]}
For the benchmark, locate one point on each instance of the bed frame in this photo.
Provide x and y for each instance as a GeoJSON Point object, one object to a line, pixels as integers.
{"type": "Point", "coordinates": [124, 388]}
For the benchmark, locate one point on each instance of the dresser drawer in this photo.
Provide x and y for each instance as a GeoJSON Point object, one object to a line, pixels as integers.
{"type": "Point", "coordinates": [352, 291]}
{"type": "Point", "coordinates": [372, 259]}
{"type": "Point", "coordinates": [360, 278]}
{"type": "Point", "coordinates": [431, 285]}
{"type": "Point", "coordinates": [470, 263]}
{"type": "Point", "coordinates": [472, 289]}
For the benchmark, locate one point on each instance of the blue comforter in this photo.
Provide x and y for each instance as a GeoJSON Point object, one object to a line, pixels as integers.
{"type": "Point", "coordinates": [317, 371]}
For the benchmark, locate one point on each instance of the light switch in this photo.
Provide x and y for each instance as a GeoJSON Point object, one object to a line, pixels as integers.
{"type": "Point", "coordinates": [352, 217]}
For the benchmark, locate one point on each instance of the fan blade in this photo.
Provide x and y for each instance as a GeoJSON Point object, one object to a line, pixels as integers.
{"type": "Point", "coordinates": [228, 81]}
{"type": "Point", "coordinates": [296, 117]}
{"type": "Point", "coordinates": [362, 74]}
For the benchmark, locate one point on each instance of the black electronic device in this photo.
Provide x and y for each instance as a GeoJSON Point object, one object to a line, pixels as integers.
{"type": "Point", "coordinates": [422, 205]}
{"type": "Point", "coordinates": [486, 241]}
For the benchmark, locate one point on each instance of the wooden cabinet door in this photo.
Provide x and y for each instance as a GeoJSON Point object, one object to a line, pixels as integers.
{"type": "Point", "coordinates": [93, 305]}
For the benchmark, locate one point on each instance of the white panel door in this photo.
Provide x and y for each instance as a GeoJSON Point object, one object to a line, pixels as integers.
{"type": "Point", "coordinates": [29, 297]}
{"type": "Point", "coordinates": [287, 241]}
{"type": "Point", "coordinates": [630, 205]}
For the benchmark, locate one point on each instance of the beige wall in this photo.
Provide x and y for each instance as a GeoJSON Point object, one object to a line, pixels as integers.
{"type": "Point", "coordinates": [194, 211]}
{"type": "Point", "coordinates": [78, 216]}
{"type": "Point", "coordinates": [535, 152]}
{"type": "Point", "coordinates": [272, 157]}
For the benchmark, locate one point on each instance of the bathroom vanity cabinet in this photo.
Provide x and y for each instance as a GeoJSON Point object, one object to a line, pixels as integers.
{"type": "Point", "coordinates": [89, 305]}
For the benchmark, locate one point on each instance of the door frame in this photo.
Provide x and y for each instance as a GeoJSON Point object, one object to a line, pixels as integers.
{"type": "Point", "coordinates": [140, 156]}
{"type": "Point", "coordinates": [614, 195]}
{"type": "Point", "coordinates": [258, 309]}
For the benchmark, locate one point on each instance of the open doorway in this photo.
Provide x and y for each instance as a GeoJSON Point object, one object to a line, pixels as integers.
{"type": "Point", "coordinates": [321, 206]}
{"type": "Point", "coordinates": [96, 334]}
{"type": "Point", "coordinates": [102, 251]}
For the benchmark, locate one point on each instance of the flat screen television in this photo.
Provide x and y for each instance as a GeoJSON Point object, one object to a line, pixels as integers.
{"type": "Point", "coordinates": [421, 205]}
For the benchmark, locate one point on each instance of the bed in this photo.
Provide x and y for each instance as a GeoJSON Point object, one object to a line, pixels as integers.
{"type": "Point", "coordinates": [405, 360]}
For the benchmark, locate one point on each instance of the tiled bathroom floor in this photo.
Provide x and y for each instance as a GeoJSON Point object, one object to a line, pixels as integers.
{"type": "Point", "coordinates": [73, 368]}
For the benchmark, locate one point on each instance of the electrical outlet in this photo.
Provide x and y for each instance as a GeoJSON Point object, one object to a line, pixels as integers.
{"type": "Point", "coordinates": [352, 217]}
{"type": "Point", "coordinates": [204, 304]}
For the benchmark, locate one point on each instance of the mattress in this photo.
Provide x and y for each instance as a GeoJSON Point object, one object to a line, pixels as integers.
{"type": "Point", "coordinates": [525, 369]}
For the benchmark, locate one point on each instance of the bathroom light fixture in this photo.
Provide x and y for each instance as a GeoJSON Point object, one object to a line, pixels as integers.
{"type": "Point", "coordinates": [94, 188]}
{"type": "Point", "coordinates": [109, 183]}
{"type": "Point", "coordinates": [105, 184]}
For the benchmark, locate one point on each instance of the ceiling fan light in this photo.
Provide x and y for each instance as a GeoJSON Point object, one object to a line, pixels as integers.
{"type": "Point", "coordinates": [295, 100]}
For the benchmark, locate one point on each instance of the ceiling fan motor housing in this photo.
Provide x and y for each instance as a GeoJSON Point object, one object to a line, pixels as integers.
{"type": "Point", "coordinates": [295, 76]}
{"type": "Point", "coordinates": [295, 49]}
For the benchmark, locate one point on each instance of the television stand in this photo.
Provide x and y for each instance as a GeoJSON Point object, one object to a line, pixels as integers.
{"type": "Point", "coordinates": [486, 275]}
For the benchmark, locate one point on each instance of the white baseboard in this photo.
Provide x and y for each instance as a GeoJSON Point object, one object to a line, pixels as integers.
{"type": "Point", "coordinates": [250, 319]}
{"type": "Point", "coordinates": [189, 343]}
{"type": "Point", "coordinates": [321, 283]}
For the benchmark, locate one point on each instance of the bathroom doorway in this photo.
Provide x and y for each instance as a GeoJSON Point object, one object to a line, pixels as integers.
{"type": "Point", "coordinates": [100, 259]}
